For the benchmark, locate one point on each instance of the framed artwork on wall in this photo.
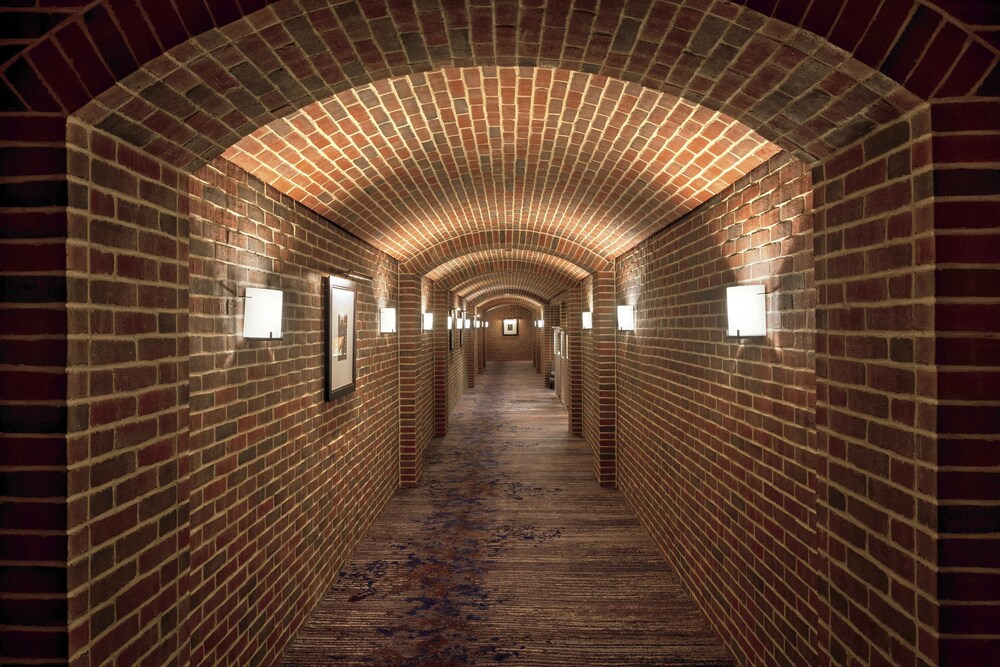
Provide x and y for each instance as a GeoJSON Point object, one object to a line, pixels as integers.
{"type": "Point", "coordinates": [510, 327]}
{"type": "Point", "coordinates": [341, 299]}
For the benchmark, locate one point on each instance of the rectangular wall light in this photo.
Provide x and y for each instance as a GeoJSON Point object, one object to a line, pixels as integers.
{"type": "Point", "coordinates": [449, 321]}
{"type": "Point", "coordinates": [626, 318]}
{"type": "Point", "coordinates": [387, 320]}
{"type": "Point", "coordinates": [262, 313]}
{"type": "Point", "coordinates": [428, 321]}
{"type": "Point", "coordinates": [746, 311]}
{"type": "Point", "coordinates": [587, 319]}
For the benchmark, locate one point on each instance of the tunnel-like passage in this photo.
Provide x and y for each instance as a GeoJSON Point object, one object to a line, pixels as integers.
{"type": "Point", "coordinates": [174, 492]}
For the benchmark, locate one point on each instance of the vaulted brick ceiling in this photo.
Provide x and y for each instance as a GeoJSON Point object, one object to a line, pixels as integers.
{"type": "Point", "coordinates": [513, 271]}
{"type": "Point", "coordinates": [489, 303]}
{"type": "Point", "coordinates": [393, 119]}
{"type": "Point", "coordinates": [413, 163]}
{"type": "Point", "coordinates": [418, 165]}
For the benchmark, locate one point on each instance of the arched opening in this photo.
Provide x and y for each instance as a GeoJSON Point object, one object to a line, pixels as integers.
{"type": "Point", "coordinates": [153, 436]}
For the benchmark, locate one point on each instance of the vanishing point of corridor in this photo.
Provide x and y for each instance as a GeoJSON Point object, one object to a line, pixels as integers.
{"type": "Point", "coordinates": [507, 552]}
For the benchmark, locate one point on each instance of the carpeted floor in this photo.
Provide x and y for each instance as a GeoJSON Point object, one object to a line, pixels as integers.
{"type": "Point", "coordinates": [508, 552]}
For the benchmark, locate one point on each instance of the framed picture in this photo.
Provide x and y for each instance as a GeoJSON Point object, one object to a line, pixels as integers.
{"type": "Point", "coordinates": [341, 298]}
{"type": "Point", "coordinates": [510, 327]}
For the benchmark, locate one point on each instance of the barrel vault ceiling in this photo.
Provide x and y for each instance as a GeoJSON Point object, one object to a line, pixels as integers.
{"type": "Point", "coordinates": [439, 131]}
{"type": "Point", "coordinates": [413, 164]}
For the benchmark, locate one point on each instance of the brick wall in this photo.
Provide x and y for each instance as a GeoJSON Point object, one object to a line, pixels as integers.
{"type": "Point", "coordinates": [875, 416]}
{"type": "Point", "coordinates": [127, 373]}
{"type": "Point", "coordinates": [715, 436]}
{"type": "Point", "coordinates": [283, 484]}
{"type": "Point", "coordinates": [510, 348]}
{"type": "Point", "coordinates": [185, 548]}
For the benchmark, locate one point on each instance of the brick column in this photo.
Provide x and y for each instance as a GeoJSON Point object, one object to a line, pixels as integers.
{"type": "Point", "coordinates": [410, 323]}
{"type": "Point", "coordinates": [441, 305]}
{"type": "Point", "coordinates": [550, 318]}
{"type": "Point", "coordinates": [598, 351]}
{"type": "Point", "coordinates": [571, 325]}
{"type": "Point", "coordinates": [967, 354]}
{"type": "Point", "coordinates": [471, 351]}
{"type": "Point", "coordinates": [33, 325]}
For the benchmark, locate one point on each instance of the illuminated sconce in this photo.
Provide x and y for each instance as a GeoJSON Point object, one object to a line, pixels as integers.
{"type": "Point", "coordinates": [449, 321]}
{"type": "Point", "coordinates": [626, 318]}
{"type": "Point", "coordinates": [262, 313]}
{"type": "Point", "coordinates": [468, 323]}
{"type": "Point", "coordinates": [587, 319]}
{"type": "Point", "coordinates": [486, 324]}
{"type": "Point", "coordinates": [428, 321]}
{"type": "Point", "coordinates": [540, 323]}
{"type": "Point", "coordinates": [387, 320]}
{"type": "Point", "coordinates": [746, 311]}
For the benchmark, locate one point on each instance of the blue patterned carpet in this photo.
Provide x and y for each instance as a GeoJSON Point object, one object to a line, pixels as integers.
{"type": "Point", "coordinates": [507, 553]}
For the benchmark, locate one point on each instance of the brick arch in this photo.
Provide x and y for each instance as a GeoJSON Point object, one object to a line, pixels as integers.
{"type": "Point", "coordinates": [429, 259]}
{"type": "Point", "coordinates": [486, 305]}
{"type": "Point", "coordinates": [500, 292]}
{"type": "Point", "coordinates": [494, 258]}
{"type": "Point", "coordinates": [530, 277]}
{"type": "Point", "coordinates": [594, 160]}
{"type": "Point", "coordinates": [499, 267]}
{"type": "Point", "coordinates": [274, 61]}
{"type": "Point", "coordinates": [788, 83]}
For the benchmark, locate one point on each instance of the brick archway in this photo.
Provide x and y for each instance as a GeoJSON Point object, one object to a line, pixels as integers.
{"type": "Point", "coordinates": [159, 116]}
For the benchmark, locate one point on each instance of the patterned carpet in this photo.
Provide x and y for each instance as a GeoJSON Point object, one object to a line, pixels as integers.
{"type": "Point", "coordinates": [507, 553]}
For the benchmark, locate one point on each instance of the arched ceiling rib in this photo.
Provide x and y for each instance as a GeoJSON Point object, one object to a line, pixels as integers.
{"type": "Point", "coordinates": [499, 261]}
{"type": "Point", "coordinates": [501, 291]}
{"type": "Point", "coordinates": [505, 239]}
{"type": "Point", "coordinates": [536, 280]}
{"type": "Point", "coordinates": [488, 304]}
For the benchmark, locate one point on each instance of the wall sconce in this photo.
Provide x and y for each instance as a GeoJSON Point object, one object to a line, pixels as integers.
{"type": "Point", "coordinates": [428, 321]}
{"type": "Point", "coordinates": [468, 323]}
{"type": "Point", "coordinates": [626, 318]}
{"type": "Point", "coordinates": [746, 310]}
{"type": "Point", "coordinates": [587, 319]}
{"type": "Point", "coordinates": [387, 320]}
{"type": "Point", "coordinates": [540, 323]}
{"type": "Point", "coordinates": [262, 313]}
{"type": "Point", "coordinates": [449, 321]}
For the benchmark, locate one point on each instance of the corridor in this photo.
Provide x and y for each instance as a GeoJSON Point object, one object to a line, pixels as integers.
{"type": "Point", "coordinates": [507, 552]}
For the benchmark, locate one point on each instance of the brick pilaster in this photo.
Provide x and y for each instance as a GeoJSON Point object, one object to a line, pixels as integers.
{"type": "Point", "coordinates": [598, 349]}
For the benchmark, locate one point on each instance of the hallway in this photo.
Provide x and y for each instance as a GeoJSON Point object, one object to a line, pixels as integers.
{"type": "Point", "coordinates": [507, 552]}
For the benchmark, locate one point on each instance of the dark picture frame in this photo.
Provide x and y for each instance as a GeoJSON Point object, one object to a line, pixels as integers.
{"type": "Point", "coordinates": [341, 327]}
{"type": "Point", "coordinates": [510, 327]}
